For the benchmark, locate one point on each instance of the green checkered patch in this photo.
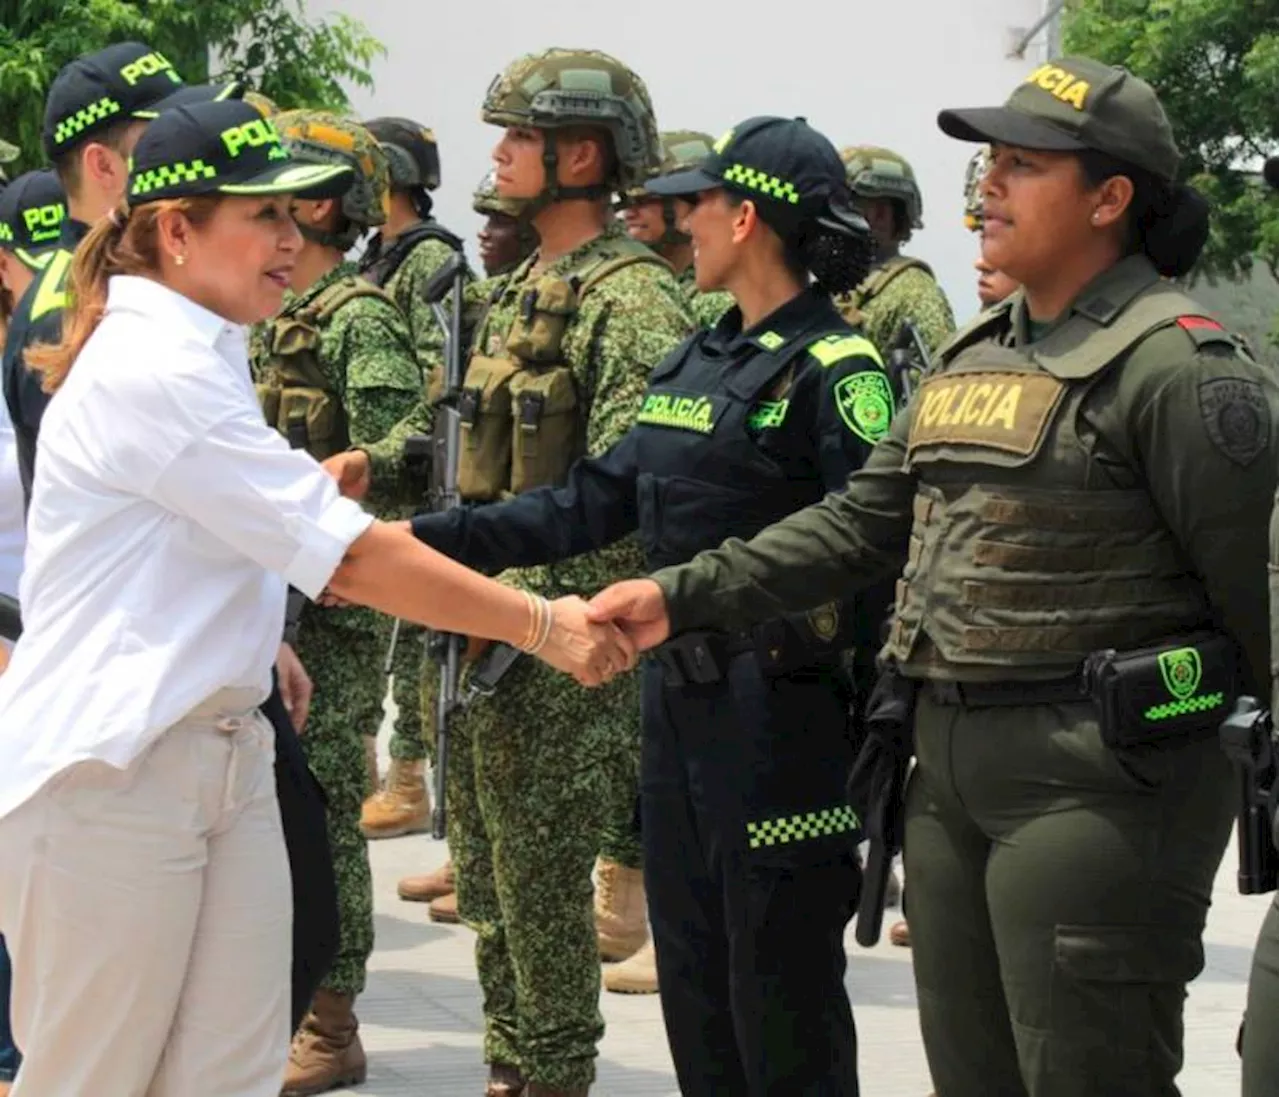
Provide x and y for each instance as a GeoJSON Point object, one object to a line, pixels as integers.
{"type": "Point", "coordinates": [168, 175]}
{"type": "Point", "coordinates": [1206, 702]}
{"type": "Point", "coordinates": [6, 233]}
{"type": "Point", "coordinates": [85, 117]}
{"type": "Point", "coordinates": [761, 182]}
{"type": "Point", "coordinates": [802, 828]}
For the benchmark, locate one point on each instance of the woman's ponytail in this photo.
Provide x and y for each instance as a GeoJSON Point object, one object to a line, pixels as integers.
{"type": "Point", "coordinates": [836, 246]}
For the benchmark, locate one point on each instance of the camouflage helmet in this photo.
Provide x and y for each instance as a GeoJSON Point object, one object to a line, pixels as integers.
{"type": "Point", "coordinates": [881, 173]}
{"type": "Point", "coordinates": [973, 176]}
{"type": "Point", "coordinates": [412, 153]}
{"type": "Point", "coordinates": [319, 137]}
{"type": "Point", "coordinates": [680, 149]}
{"type": "Point", "coordinates": [487, 200]}
{"type": "Point", "coordinates": [263, 104]}
{"type": "Point", "coordinates": [563, 87]}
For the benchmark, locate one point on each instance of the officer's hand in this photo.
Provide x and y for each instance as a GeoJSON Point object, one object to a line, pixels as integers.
{"type": "Point", "coordinates": [352, 472]}
{"type": "Point", "coordinates": [593, 654]}
{"type": "Point", "coordinates": [295, 686]}
{"type": "Point", "coordinates": [638, 607]}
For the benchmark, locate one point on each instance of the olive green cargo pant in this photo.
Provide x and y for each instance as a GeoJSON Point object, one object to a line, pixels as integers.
{"type": "Point", "coordinates": [1261, 1023]}
{"type": "Point", "coordinates": [1058, 897]}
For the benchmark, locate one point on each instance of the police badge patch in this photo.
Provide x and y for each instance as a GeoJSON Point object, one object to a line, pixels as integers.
{"type": "Point", "coordinates": [865, 403]}
{"type": "Point", "coordinates": [1236, 418]}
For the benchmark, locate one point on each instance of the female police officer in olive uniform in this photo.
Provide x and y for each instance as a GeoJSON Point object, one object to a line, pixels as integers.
{"type": "Point", "coordinates": [1089, 467]}
{"type": "Point", "coordinates": [749, 848]}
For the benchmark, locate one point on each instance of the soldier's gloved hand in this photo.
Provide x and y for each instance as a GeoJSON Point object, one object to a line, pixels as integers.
{"type": "Point", "coordinates": [594, 654]}
{"type": "Point", "coordinates": [352, 471]}
{"type": "Point", "coordinates": [295, 686]}
{"type": "Point", "coordinates": [637, 607]}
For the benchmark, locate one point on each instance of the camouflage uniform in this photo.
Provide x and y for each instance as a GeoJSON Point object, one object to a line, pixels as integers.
{"type": "Point", "coordinates": [366, 355]}
{"type": "Point", "coordinates": [898, 289]}
{"type": "Point", "coordinates": [414, 164]}
{"type": "Point", "coordinates": [539, 768]}
{"type": "Point", "coordinates": [367, 362]}
{"type": "Point", "coordinates": [707, 307]}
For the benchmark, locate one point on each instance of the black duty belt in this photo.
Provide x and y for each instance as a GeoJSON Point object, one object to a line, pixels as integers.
{"type": "Point", "coordinates": [1053, 691]}
{"type": "Point", "coordinates": [700, 658]}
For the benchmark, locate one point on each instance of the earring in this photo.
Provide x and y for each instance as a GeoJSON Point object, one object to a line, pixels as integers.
{"type": "Point", "coordinates": [1094, 218]}
{"type": "Point", "coordinates": [179, 259]}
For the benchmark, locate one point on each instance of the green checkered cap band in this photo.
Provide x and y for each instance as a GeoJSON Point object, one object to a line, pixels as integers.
{"type": "Point", "coordinates": [170, 175]}
{"type": "Point", "coordinates": [85, 117]}
{"type": "Point", "coordinates": [6, 233]}
{"type": "Point", "coordinates": [802, 828]}
{"type": "Point", "coordinates": [761, 182]}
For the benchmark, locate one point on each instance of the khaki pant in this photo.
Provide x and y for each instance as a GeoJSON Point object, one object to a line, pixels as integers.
{"type": "Point", "coordinates": [148, 915]}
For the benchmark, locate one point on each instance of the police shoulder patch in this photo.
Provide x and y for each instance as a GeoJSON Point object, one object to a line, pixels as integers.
{"type": "Point", "coordinates": [1236, 418]}
{"type": "Point", "coordinates": [865, 403]}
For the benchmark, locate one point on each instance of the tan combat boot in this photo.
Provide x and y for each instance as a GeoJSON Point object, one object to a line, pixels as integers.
{"type": "Point", "coordinates": [636, 975]}
{"type": "Point", "coordinates": [504, 1081]}
{"type": "Point", "coordinates": [326, 1052]}
{"type": "Point", "coordinates": [434, 885]}
{"type": "Point", "coordinates": [401, 806]}
{"type": "Point", "coordinates": [445, 909]}
{"type": "Point", "coordinates": [620, 910]}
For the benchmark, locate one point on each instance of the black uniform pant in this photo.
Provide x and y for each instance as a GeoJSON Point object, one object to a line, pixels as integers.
{"type": "Point", "coordinates": [306, 839]}
{"type": "Point", "coordinates": [749, 943]}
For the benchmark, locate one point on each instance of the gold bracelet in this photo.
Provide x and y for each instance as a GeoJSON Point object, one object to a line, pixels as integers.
{"type": "Point", "coordinates": [548, 620]}
{"type": "Point", "coordinates": [531, 632]}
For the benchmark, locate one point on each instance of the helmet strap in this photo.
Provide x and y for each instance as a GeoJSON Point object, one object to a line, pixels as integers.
{"type": "Point", "coordinates": [343, 240]}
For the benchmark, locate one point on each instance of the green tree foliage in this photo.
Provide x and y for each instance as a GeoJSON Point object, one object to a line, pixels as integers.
{"type": "Point", "coordinates": [1214, 64]}
{"type": "Point", "coordinates": [271, 44]}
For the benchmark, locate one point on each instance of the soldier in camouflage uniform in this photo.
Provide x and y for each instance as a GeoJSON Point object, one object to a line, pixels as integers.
{"type": "Point", "coordinates": [565, 347]}
{"type": "Point", "coordinates": [337, 368]}
{"type": "Point", "coordinates": [8, 154]}
{"type": "Point", "coordinates": [410, 248]}
{"type": "Point", "coordinates": [507, 238]}
{"type": "Point", "coordinates": [656, 221]}
{"type": "Point", "coordinates": [899, 288]}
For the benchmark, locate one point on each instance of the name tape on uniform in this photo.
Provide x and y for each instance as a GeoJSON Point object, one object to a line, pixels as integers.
{"type": "Point", "coordinates": [1004, 411]}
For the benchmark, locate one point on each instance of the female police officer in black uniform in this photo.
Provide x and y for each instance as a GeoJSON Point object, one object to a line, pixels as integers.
{"type": "Point", "coordinates": [1081, 488]}
{"type": "Point", "coordinates": [749, 846]}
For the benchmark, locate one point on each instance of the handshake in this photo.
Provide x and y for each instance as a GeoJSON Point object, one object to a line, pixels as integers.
{"type": "Point", "coordinates": [597, 640]}
{"type": "Point", "coordinates": [594, 641]}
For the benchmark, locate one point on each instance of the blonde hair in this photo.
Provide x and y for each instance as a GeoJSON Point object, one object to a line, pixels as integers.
{"type": "Point", "coordinates": [125, 242]}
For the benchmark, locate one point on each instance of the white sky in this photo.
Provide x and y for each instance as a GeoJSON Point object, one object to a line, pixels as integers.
{"type": "Point", "coordinates": [861, 72]}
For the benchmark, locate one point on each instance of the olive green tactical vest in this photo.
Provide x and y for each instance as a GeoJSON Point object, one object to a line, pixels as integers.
{"type": "Point", "coordinates": [521, 414]}
{"type": "Point", "coordinates": [297, 397]}
{"type": "Point", "coordinates": [1024, 556]}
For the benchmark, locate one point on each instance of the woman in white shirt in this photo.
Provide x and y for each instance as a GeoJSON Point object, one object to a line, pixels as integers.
{"type": "Point", "coordinates": [146, 894]}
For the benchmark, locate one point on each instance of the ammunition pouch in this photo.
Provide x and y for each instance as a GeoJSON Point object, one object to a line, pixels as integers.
{"type": "Point", "coordinates": [1176, 690]}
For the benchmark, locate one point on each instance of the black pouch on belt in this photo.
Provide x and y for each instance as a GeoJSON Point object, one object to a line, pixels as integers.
{"type": "Point", "coordinates": [1179, 689]}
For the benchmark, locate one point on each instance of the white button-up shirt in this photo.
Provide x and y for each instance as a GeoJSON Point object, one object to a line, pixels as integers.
{"type": "Point", "coordinates": [166, 521]}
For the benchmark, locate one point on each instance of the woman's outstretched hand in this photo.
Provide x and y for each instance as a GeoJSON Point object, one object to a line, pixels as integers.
{"type": "Point", "coordinates": [593, 653]}
{"type": "Point", "coordinates": [638, 608]}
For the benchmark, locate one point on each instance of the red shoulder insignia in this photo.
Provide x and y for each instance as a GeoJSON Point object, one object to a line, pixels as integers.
{"type": "Point", "coordinates": [1190, 323]}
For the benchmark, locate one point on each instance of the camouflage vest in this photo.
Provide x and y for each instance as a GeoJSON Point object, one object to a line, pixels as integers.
{"type": "Point", "coordinates": [521, 415]}
{"type": "Point", "coordinates": [875, 283]}
{"type": "Point", "coordinates": [297, 397]}
{"type": "Point", "coordinates": [1024, 556]}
